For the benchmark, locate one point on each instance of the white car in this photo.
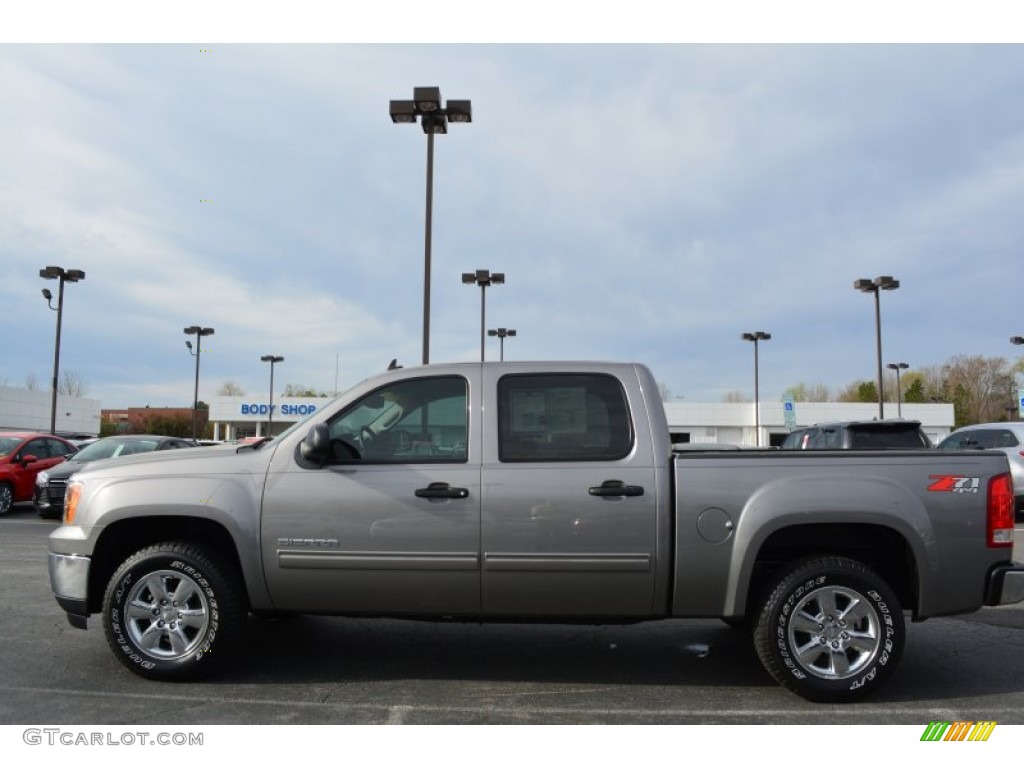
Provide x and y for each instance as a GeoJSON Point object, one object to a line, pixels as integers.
{"type": "Point", "coordinates": [1005, 436]}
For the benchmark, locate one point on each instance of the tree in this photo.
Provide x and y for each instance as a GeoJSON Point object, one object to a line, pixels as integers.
{"type": "Point", "coordinates": [71, 384]}
{"type": "Point", "coordinates": [859, 392]}
{"type": "Point", "coordinates": [300, 390]}
{"type": "Point", "coordinates": [664, 392]}
{"type": "Point", "coordinates": [735, 397]}
{"type": "Point", "coordinates": [813, 393]}
{"type": "Point", "coordinates": [31, 383]}
{"type": "Point", "coordinates": [230, 389]}
{"type": "Point", "coordinates": [980, 386]}
{"type": "Point", "coordinates": [915, 392]}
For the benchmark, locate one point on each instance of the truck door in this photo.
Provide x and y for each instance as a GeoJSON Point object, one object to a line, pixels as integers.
{"type": "Point", "coordinates": [391, 523]}
{"type": "Point", "coordinates": [569, 510]}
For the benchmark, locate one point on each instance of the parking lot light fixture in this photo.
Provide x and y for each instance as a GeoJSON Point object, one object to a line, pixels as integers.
{"type": "Point", "coordinates": [881, 283]}
{"type": "Point", "coordinates": [756, 337]}
{"type": "Point", "coordinates": [62, 276]}
{"type": "Point", "coordinates": [198, 332]}
{"type": "Point", "coordinates": [899, 393]}
{"type": "Point", "coordinates": [501, 333]}
{"type": "Point", "coordinates": [1017, 340]}
{"type": "Point", "coordinates": [273, 360]}
{"type": "Point", "coordinates": [426, 107]}
{"type": "Point", "coordinates": [483, 278]}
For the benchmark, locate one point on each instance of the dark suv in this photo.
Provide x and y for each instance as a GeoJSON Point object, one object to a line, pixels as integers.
{"type": "Point", "coordinates": [879, 434]}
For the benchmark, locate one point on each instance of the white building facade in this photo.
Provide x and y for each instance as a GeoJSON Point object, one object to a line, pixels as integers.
{"type": "Point", "coordinates": [29, 410]}
{"type": "Point", "coordinates": [242, 416]}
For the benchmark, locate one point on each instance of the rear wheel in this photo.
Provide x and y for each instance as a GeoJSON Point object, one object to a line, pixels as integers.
{"type": "Point", "coordinates": [172, 611]}
{"type": "Point", "coordinates": [831, 630]}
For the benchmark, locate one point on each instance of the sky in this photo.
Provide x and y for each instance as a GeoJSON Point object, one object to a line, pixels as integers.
{"type": "Point", "coordinates": [649, 198]}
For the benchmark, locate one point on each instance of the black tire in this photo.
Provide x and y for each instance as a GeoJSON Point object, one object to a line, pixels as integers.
{"type": "Point", "coordinates": [6, 498]}
{"type": "Point", "coordinates": [831, 630]}
{"type": "Point", "coordinates": [173, 611]}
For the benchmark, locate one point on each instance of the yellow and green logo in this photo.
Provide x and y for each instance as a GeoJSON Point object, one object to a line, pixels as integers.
{"type": "Point", "coordinates": [962, 730]}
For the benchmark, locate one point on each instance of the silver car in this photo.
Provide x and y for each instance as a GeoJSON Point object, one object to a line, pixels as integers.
{"type": "Point", "coordinates": [1005, 436]}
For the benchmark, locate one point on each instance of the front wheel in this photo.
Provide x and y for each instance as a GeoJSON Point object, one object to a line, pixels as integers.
{"type": "Point", "coordinates": [832, 630]}
{"type": "Point", "coordinates": [6, 498]}
{"type": "Point", "coordinates": [172, 611]}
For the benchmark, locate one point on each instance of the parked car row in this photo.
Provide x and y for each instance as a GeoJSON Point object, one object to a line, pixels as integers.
{"type": "Point", "coordinates": [50, 484]}
{"type": "Point", "coordinates": [28, 459]}
{"type": "Point", "coordinates": [36, 466]}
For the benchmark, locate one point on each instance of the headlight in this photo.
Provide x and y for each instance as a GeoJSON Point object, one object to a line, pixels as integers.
{"type": "Point", "coordinates": [71, 497]}
{"type": "Point", "coordinates": [42, 478]}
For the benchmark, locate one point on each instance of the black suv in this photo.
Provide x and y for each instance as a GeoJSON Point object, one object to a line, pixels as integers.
{"type": "Point", "coordinates": [881, 434]}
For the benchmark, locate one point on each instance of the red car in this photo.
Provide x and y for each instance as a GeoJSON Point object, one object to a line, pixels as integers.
{"type": "Point", "coordinates": [22, 456]}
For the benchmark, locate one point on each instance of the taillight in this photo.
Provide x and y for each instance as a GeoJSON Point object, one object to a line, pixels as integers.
{"type": "Point", "coordinates": [1000, 511]}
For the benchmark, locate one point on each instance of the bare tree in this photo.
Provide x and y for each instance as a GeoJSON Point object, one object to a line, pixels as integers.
{"type": "Point", "coordinates": [979, 388]}
{"type": "Point", "coordinates": [664, 392]}
{"type": "Point", "coordinates": [301, 390]}
{"type": "Point", "coordinates": [31, 382]}
{"type": "Point", "coordinates": [230, 389]}
{"type": "Point", "coordinates": [809, 393]}
{"type": "Point", "coordinates": [71, 384]}
{"type": "Point", "coordinates": [735, 397]}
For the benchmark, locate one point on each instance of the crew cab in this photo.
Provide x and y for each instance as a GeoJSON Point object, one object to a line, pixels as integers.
{"type": "Point", "coordinates": [533, 492]}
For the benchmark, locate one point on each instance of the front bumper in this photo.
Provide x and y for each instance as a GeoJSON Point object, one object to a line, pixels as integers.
{"type": "Point", "coordinates": [1005, 585]}
{"type": "Point", "coordinates": [69, 581]}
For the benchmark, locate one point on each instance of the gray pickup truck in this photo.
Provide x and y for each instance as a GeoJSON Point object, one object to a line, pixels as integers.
{"type": "Point", "coordinates": [534, 492]}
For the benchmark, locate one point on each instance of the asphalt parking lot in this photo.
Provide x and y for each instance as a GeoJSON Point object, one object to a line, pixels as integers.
{"type": "Point", "coordinates": [314, 670]}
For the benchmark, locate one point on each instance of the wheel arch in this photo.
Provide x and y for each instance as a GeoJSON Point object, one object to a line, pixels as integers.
{"type": "Point", "coordinates": [882, 549]}
{"type": "Point", "coordinates": [123, 538]}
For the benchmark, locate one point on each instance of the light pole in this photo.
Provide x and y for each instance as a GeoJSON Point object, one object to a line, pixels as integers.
{"type": "Point", "coordinates": [483, 278]}
{"type": "Point", "coordinates": [899, 392]}
{"type": "Point", "coordinates": [426, 105]}
{"type": "Point", "coordinates": [272, 359]}
{"type": "Point", "coordinates": [63, 276]}
{"type": "Point", "coordinates": [501, 333]}
{"type": "Point", "coordinates": [756, 336]}
{"type": "Point", "coordinates": [1019, 394]}
{"type": "Point", "coordinates": [198, 332]}
{"type": "Point", "coordinates": [882, 283]}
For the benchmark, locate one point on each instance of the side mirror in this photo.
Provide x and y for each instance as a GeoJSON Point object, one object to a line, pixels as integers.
{"type": "Point", "coordinates": [29, 458]}
{"type": "Point", "coordinates": [316, 448]}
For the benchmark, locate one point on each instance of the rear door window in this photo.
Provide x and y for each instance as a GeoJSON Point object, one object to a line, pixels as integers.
{"type": "Point", "coordinates": [563, 417]}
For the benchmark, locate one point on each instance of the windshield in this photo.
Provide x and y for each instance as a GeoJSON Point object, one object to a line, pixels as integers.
{"type": "Point", "coordinates": [113, 447]}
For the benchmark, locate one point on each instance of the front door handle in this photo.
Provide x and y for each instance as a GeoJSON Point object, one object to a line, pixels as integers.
{"type": "Point", "coordinates": [442, 491]}
{"type": "Point", "coordinates": [616, 488]}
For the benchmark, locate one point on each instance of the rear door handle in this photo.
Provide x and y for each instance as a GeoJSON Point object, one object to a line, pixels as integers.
{"type": "Point", "coordinates": [616, 488]}
{"type": "Point", "coordinates": [442, 491]}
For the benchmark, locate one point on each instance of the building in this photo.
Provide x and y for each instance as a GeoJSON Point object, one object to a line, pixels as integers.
{"type": "Point", "coordinates": [30, 410]}
{"type": "Point", "coordinates": [235, 417]}
{"type": "Point", "coordinates": [734, 422]}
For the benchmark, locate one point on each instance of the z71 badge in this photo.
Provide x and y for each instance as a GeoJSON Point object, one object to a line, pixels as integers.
{"type": "Point", "coordinates": [954, 484]}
